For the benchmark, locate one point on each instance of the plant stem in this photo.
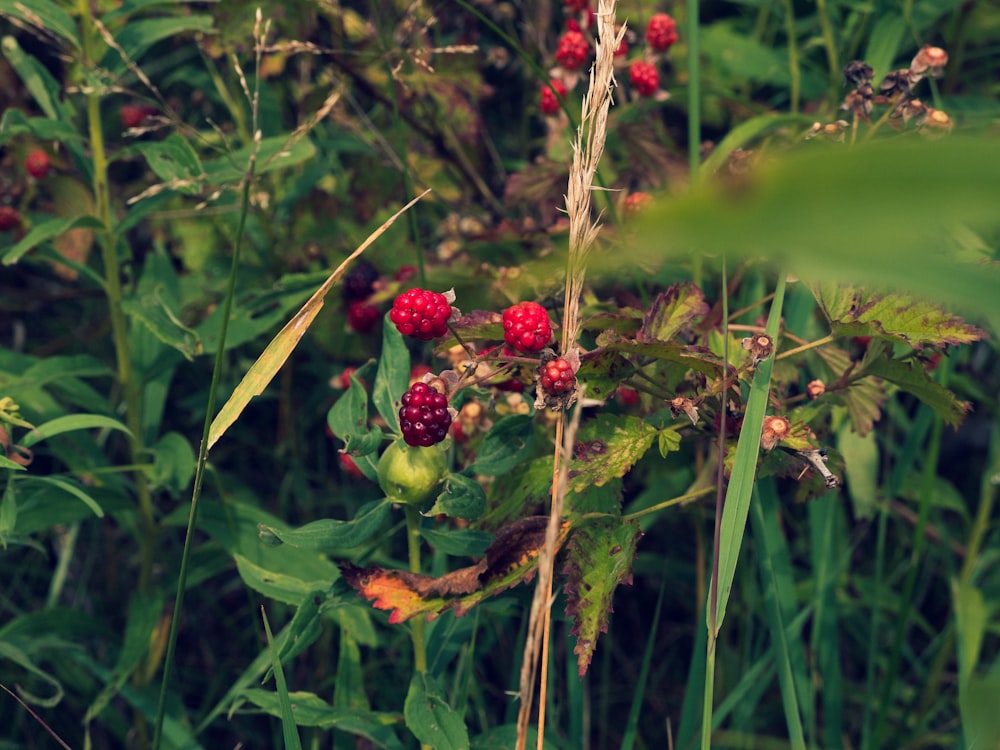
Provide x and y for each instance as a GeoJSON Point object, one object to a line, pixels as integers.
{"type": "Point", "coordinates": [417, 626]}
{"type": "Point", "coordinates": [694, 100]}
{"type": "Point", "coordinates": [805, 347]}
{"type": "Point", "coordinates": [793, 58]}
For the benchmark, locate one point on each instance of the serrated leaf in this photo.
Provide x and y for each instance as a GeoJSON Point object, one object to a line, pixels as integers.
{"type": "Point", "coordinates": [697, 358]}
{"type": "Point", "coordinates": [509, 442]}
{"type": "Point", "coordinates": [329, 534]}
{"type": "Point", "coordinates": [863, 398]}
{"type": "Point", "coordinates": [853, 311]}
{"type": "Point", "coordinates": [598, 557]}
{"type": "Point", "coordinates": [313, 711]}
{"type": "Point", "coordinates": [601, 372]}
{"type": "Point", "coordinates": [393, 376]}
{"type": "Point", "coordinates": [606, 448]}
{"type": "Point", "coordinates": [672, 311]}
{"type": "Point", "coordinates": [461, 497]}
{"type": "Point", "coordinates": [668, 441]}
{"type": "Point", "coordinates": [430, 718]}
{"type": "Point", "coordinates": [914, 379]}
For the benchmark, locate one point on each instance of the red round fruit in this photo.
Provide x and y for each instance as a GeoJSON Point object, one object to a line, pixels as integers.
{"type": "Point", "coordinates": [622, 48]}
{"type": "Point", "coordinates": [132, 116]}
{"type": "Point", "coordinates": [418, 371]}
{"type": "Point", "coordinates": [526, 327]}
{"type": "Point", "coordinates": [421, 314]}
{"type": "Point", "coordinates": [37, 164]}
{"type": "Point", "coordinates": [405, 273]}
{"type": "Point", "coordinates": [661, 32]}
{"type": "Point", "coordinates": [558, 377]}
{"type": "Point", "coordinates": [350, 467]}
{"type": "Point", "coordinates": [551, 102]}
{"type": "Point", "coordinates": [573, 50]}
{"type": "Point", "coordinates": [628, 396]}
{"type": "Point", "coordinates": [362, 317]}
{"type": "Point", "coordinates": [644, 77]}
{"type": "Point", "coordinates": [575, 6]}
{"type": "Point", "coordinates": [424, 417]}
{"type": "Point", "coordinates": [9, 218]}
{"type": "Point", "coordinates": [635, 203]}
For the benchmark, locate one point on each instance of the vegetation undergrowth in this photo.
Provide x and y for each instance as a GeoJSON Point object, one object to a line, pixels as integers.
{"type": "Point", "coordinates": [591, 375]}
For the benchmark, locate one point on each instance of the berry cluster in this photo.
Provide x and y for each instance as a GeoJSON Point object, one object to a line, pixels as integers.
{"type": "Point", "coordinates": [550, 103]}
{"type": "Point", "coordinates": [424, 417]}
{"type": "Point", "coordinates": [557, 377]}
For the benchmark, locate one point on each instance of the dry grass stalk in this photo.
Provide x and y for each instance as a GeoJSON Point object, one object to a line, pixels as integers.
{"type": "Point", "coordinates": [583, 232]}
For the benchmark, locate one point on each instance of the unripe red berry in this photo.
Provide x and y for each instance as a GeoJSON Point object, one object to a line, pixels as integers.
{"type": "Point", "coordinates": [551, 102]}
{"type": "Point", "coordinates": [573, 50]}
{"type": "Point", "coordinates": [558, 377]}
{"type": "Point", "coordinates": [421, 313]}
{"type": "Point", "coordinates": [9, 218]}
{"type": "Point", "coordinates": [635, 203]}
{"type": "Point", "coordinates": [362, 317]}
{"type": "Point", "coordinates": [644, 77]}
{"type": "Point", "coordinates": [661, 32]}
{"type": "Point", "coordinates": [526, 327]}
{"type": "Point", "coordinates": [424, 417]}
{"type": "Point", "coordinates": [37, 164]}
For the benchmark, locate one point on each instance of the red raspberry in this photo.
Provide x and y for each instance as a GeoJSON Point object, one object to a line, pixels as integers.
{"type": "Point", "coordinates": [661, 32]}
{"type": "Point", "coordinates": [132, 116]}
{"type": "Point", "coordinates": [628, 396]}
{"type": "Point", "coordinates": [362, 317]}
{"type": "Point", "coordinates": [645, 77]}
{"type": "Point", "coordinates": [37, 164]}
{"type": "Point", "coordinates": [635, 203]}
{"type": "Point", "coordinates": [551, 104]}
{"type": "Point", "coordinates": [573, 50]}
{"type": "Point", "coordinates": [421, 314]}
{"type": "Point", "coordinates": [526, 327]}
{"type": "Point", "coordinates": [558, 377]}
{"type": "Point", "coordinates": [9, 218]}
{"type": "Point", "coordinates": [344, 379]}
{"type": "Point", "coordinates": [575, 6]}
{"type": "Point", "coordinates": [424, 417]}
{"type": "Point", "coordinates": [418, 371]}
{"type": "Point", "coordinates": [622, 48]}
{"type": "Point", "coordinates": [405, 273]}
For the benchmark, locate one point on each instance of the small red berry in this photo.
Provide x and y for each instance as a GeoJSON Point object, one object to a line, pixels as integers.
{"type": "Point", "coordinates": [550, 101]}
{"type": "Point", "coordinates": [37, 164]}
{"type": "Point", "coordinates": [421, 314]}
{"type": "Point", "coordinates": [418, 371]}
{"type": "Point", "coordinates": [661, 32]}
{"type": "Point", "coordinates": [344, 379]}
{"type": "Point", "coordinates": [622, 48]}
{"type": "Point", "coordinates": [628, 396]}
{"type": "Point", "coordinates": [573, 50]}
{"type": "Point", "coordinates": [575, 6]}
{"type": "Point", "coordinates": [645, 77]}
{"type": "Point", "coordinates": [558, 377]}
{"type": "Point", "coordinates": [635, 203]}
{"type": "Point", "coordinates": [526, 327]}
{"type": "Point", "coordinates": [405, 273]}
{"type": "Point", "coordinates": [9, 218]}
{"type": "Point", "coordinates": [424, 417]}
{"type": "Point", "coordinates": [132, 116]}
{"type": "Point", "coordinates": [362, 317]}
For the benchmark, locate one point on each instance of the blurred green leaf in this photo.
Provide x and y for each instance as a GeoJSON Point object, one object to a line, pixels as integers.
{"type": "Point", "coordinates": [15, 123]}
{"type": "Point", "coordinates": [52, 16]}
{"type": "Point", "coordinates": [430, 718]}
{"type": "Point", "coordinates": [69, 424]}
{"type": "Point", "coordinates": [45, 90]}
{"type": "Point", "coordinates": [173, 463]}
{"type": "Point", "coordinates": [461, 497]}
{"type": "Point", "coordinates": [509, 442]}
{"type": "Point", "coordinates": [289, 731]}
{"type": "Point", "coordinates": [47, 230]}
{"type": "Point", "coordinates": [914, 379]}
{"type": "Point", "coordinates": [329, 534]}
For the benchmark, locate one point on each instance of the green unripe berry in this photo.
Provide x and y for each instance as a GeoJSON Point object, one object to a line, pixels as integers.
{"type": "Point", "coordinates": [409, 475]}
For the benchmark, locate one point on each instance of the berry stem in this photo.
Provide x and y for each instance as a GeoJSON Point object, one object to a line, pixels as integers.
{"type": "Point", "coordinates": [417, 626]}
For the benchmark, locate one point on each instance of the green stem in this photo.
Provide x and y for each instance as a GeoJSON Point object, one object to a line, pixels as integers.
{"type": "Point", "coordinates": [831, 47]}
{"type": "Point", "coordinates": [793, 57]}
{"type": "Point", "coordinates": [417, 626]}
{"type": "Point", "coordinates": [146, 521]}
{"type": "Point", "coordinates": [694, 100]}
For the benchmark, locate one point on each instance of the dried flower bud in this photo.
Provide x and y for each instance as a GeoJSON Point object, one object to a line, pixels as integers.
{"type": "Point", "coordinates": [760, 347]}
{"type": "Point", "coordinates": [913, 109]}
{"type": "Point", "coordinates": [815, 389]}
{"type": "Point", "coordinates": [898, 82]}
{"type": "Point", "coordinates": [775, 430]}
{"type": "Point", "coordinates": [936, 122]}
{"type": "Point", "coordinates": [933, 58]}
{"type": "Point", "coordinates": [680, 405]}
{"type": "Point", "coordinates": [857, 72]}
{"type": "Point", "coordinates": [739, 162]}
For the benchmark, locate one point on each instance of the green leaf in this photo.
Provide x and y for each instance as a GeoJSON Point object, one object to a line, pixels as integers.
{"type": "Point", "coordinates": [746, 132]}
{"type": "Point", "coordinates": [174, 161]}
{"type": "Point", "coordinates": [675, 310]}
{"type": "Point", "coordinates": [289, 731]}
{"type": "Point", "coordinates": [509, 442]}
{"type": "Point", "coordinates": [458, 542]}
{"type": "Point", "coordinates": [462, 497]}
{"type": "Point", "coordinates": [41, 85]}
{"type": "Point", "coordinates": [312, 711]}
{"type": "Point", "coordinates": [914, 379]}
{"type": "Point", "coordinates": [173, 463]}
{"type": "Point", "coordinates": [15, 123]}
{"type": "Point", "coordinates": [73, 422]}
{"type": "Point", "coordinates": [53, 18]}
{"type": "Point", "coordinates": [598, 558]}
{"type": "Point", "coordinates": [139, 34]}
{"type": "Point", "coordinates": [883, 43]}
{"type": "Point", "coordinates": [329, 534]}
{"type": "Point", "coordinates": [430, 718]}
{"type": "Point", "coordinates": [153, 312]}
{"type": "Point", "coordinates": [696, 358]}
{"type": "Point", "coordinates": [971, 621]}
{"type": "Point", "coordinates": [668, 440]}
{"type": "Point", "coordinates": [606, 448]}
{"type": "Point", "coordinates": [8, 512]}
{"type": "Point", "coordinates": [348, 421]}
{"type": "Point", "coordinates": [273, 153]}
{"type": "Point", "coordinates": [10, 652]}
{"type": "Point", "coordinates": [282, 587]}
{"type": "Point", "coordinates": [505, 737]}
{"type": "Point", "coordinates": [393, 376]}
{"type": "Point", "coordinates": [853, 311]}
{"type": "Point", "coordinates": [46, 231]}
{"type": "Point", "coordinates": [73, 489]}
{"type": "Point", "coordinates": [861, 463]}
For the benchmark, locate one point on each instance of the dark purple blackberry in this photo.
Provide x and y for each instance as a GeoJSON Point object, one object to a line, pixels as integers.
{"type": "Point", "coordinates": [359, 283]}
{"type": "Point", "coordinates": [424, 417]}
